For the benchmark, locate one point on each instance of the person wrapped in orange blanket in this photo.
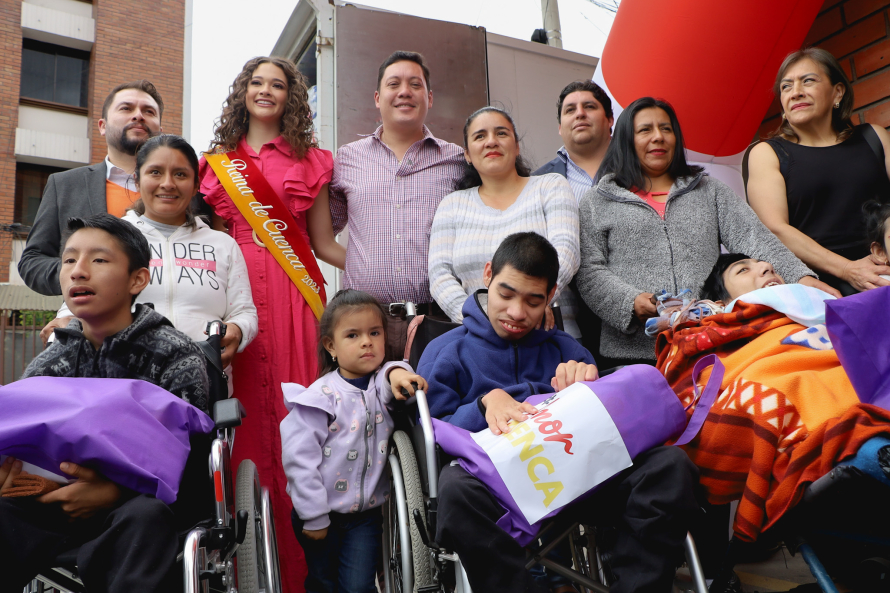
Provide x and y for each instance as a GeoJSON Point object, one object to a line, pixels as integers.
{"type": "Point", "coordinates": [787, 412]}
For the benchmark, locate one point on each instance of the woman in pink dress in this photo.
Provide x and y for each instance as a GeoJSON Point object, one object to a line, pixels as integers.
{"type": "Point", "coordinates": [267, 118]}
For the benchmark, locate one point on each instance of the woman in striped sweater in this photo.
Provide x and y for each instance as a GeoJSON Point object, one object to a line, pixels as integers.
{"type": "Point", "coordinates": [497, 197]}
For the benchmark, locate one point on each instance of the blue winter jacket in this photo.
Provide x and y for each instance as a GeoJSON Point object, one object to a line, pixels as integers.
{"type": "Point", "coordinates": [470, 361]}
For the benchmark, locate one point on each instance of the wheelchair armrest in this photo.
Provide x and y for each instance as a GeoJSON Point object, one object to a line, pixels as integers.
{"type": "Point", "coordinates": [228, 413]}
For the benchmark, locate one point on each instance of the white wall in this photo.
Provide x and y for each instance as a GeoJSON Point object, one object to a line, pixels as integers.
{"type": "Point", "coordinates": [63, 22]}
{"type": "Point", "coordinates": [69, 6]}
{"type": "Point", "coordinates": [56, 122]}
{"type": "Point", "coordinates": [525, 78]}
{"type": "Point", "coordinates": [18, 245]}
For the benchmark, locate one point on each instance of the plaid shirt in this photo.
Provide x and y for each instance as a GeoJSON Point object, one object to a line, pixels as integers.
{"type": "Point", "coordinates": [390, 206]}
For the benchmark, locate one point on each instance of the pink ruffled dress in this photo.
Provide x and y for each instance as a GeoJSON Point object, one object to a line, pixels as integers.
{"type": "Point", "coordinates": [284, 350]}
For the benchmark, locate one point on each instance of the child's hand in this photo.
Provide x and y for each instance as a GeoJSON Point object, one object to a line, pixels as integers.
{"type": "Point", "coordinates": [91, 492]}
{"type": "Point", "coordinates": [317, 535]}
{"type": "Point", "coordinates": [401, 379]}
{"type": "Point", "coordinates": [9, 470]}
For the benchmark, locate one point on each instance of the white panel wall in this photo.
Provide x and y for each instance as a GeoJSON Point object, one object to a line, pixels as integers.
{"type": "Point", "coordinates": [526, 78]}
{"type": "Point", "coordinates": [70, 6]}
{"type": "Point", "coordinates": [49, 148]}
{"type": "Point", "coordinates": [62, 22]}
{"type": "Point", "coordinates": [57, 122]}
{"type": "Point", "coordinates": [18, 245]}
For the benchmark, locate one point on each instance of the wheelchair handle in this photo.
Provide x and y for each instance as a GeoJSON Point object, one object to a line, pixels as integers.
{"type": "Point", "coordinates": [216, 328]}
{"type": "Point", "coordinates": [429, 442]}
{"type": "Point", "coordinates": [405, 391]}
{"type": "Point", "coordinates": [216, 331]}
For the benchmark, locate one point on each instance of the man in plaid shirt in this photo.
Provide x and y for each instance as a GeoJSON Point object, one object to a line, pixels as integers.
{"type": "Point", "coordinates": [387, 187]}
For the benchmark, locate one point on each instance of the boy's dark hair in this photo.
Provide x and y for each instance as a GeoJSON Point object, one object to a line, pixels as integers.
{"type": "Point", "coordinates": [714, 288]}
{"type": "Point", "coordinates": [530, 254]}
{"type": "Point", "coordinates": [131, 239]}
{"type": "Point", "coordinates": [173, 142]}
{"type": "Point", "coordinates": [584, 85]}
{"type": "Point", "coordinates": [876, 215]}
{"type": "Point", "coordinates": [139, 85]}
{"type": "Point", "coordinates": [404, 56]}
{"type": "Point", "coordinates": [621, 156]}
{"type": "Point", "coordinates": [345, 300]}
{"type": "Point", "coordinates": [470, 177]}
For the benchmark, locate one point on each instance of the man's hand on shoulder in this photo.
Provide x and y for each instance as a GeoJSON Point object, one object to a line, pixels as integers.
{"type": "Point", "coordinates": [91, 493]}
{"type": "Point", "coordinates": [571, 372]}
{"type": "Point", "coordinates": [48, 329]}
{"type": "Point", "coordinates": [500, 408]}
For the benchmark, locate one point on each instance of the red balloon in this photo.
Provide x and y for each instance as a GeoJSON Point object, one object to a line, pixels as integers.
{"type": "Point", "coordinates": [713, 60]}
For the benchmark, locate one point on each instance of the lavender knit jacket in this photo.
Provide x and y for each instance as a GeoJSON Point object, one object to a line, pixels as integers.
{"type": "Point", "coordinates": [334, 444]}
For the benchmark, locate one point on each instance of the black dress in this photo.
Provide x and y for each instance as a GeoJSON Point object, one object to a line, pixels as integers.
{"type": "Point", "coordinates": [826, 188]}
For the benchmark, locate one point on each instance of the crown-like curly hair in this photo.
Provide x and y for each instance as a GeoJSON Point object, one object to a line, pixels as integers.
{"type": "Point", "coordinates": [296, 122]}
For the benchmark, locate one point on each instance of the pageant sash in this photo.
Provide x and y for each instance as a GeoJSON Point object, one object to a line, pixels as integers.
{"type": "Point", "coordinates": [271, 222]}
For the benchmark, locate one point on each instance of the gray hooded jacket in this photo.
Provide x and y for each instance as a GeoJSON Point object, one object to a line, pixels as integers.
{"type": "Point", "coordinates": [627, 249]}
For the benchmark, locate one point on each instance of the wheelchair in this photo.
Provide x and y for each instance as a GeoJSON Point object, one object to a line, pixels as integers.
{"type": "Point", "coordinates": [413, 561]}
{"type": "Point", "coordinates": [839, 528]}
{"type": "Point", "coordinates": [234, 551]}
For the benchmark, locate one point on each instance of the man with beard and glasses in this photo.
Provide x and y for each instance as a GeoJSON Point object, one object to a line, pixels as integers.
{"type": "Point", "coordinates": [131, 115]}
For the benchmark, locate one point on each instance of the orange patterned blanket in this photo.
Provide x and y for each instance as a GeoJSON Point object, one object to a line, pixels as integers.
{"type": "Point", "coordinates": [786, 413]}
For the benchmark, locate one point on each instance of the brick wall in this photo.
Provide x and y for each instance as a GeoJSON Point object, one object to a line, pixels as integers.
{"type": "Point", "coordinates": [10, 79]}
{"type": "Point", "coordinates": [857, 33]}
{"type": "Point", "coordinates": [136, 39]}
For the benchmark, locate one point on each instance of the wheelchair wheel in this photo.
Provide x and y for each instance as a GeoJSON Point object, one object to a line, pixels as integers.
{"type": "Point", "coordinates": [257, 557]}
{"type": "Point", "coordinates": [410, 569]}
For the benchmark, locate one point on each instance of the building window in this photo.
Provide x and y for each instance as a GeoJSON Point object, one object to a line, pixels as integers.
{"type": "Point", "coordinates": [54, 73]}
{"type": "Point", "coordinates": [30, 180]}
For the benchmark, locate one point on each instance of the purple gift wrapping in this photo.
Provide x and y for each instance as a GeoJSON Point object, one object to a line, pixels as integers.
{"type": "Point", "coordinates": [644, 408]}
{"type": "Point", "coordinates": [134, 433]}
{"type": "Point", "coordinates": [858, 327]}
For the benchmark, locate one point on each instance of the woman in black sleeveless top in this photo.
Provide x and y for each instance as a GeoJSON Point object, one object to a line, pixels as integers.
{"type": "Point", "coordinates": [808, 182]}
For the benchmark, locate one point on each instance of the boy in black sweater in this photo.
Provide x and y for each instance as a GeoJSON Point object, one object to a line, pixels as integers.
{"type": "Point", "coordinates": [127, 540]}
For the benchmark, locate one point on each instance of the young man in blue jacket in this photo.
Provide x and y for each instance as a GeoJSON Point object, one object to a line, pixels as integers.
{"type": "Point", "coordinates": [479, 378]}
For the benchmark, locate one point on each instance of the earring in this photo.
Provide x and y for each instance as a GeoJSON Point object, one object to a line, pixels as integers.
{"type": "Point", "coordinates": [334, 357]}
{"type": "Point", "coordinates": [837, 105]}
{"type": "Point", "coordinates": [783, 116]}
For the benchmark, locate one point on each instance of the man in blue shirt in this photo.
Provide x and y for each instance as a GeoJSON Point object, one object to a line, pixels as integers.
{"type": "Point", "coordinates": [584, 114]}
{"type": "Point", "coordinates": [479, 378]}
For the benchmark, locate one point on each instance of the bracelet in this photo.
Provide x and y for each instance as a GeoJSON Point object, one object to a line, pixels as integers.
{"type": "Point", "coordinates": [480, 405]}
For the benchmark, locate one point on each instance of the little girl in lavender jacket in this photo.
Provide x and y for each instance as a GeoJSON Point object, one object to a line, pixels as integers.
{"type": "Point", "coordinates": [335, 441]}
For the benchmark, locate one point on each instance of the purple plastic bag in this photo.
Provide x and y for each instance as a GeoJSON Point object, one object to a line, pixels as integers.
{"type": "Point", "coordinates": [643, 407]}
{"type": "Point", "coordinates": [857, 326]}
{"type": "Point", "coordinates": [134, 433]}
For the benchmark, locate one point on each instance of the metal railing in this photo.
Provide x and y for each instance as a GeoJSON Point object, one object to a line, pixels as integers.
{"type": "Point", "coordinates": [20, 341]}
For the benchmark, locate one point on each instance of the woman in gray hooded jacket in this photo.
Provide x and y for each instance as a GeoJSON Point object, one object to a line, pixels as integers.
{"type": "Point", "coordinates": [653, 223]}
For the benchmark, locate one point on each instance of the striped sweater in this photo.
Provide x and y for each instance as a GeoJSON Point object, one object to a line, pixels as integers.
{"type": "Point", "coordinates": [466, 233]}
